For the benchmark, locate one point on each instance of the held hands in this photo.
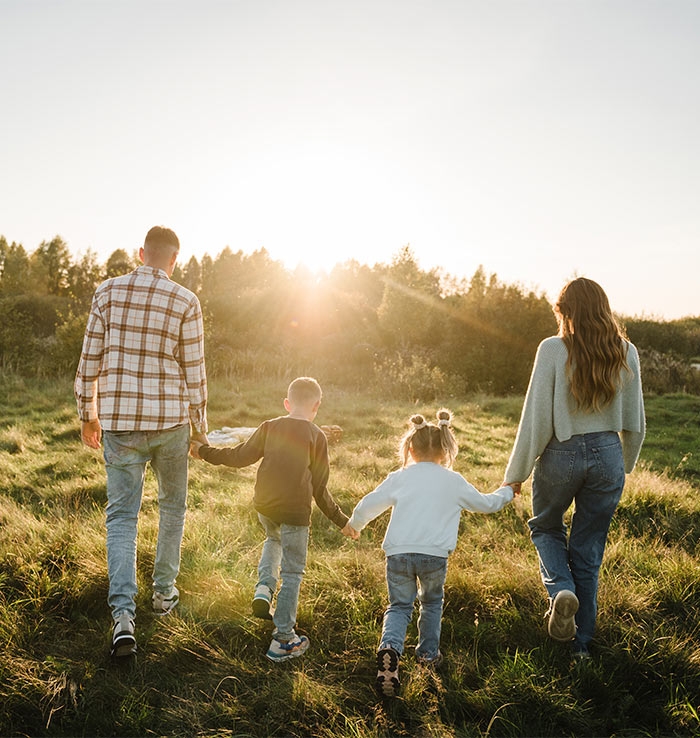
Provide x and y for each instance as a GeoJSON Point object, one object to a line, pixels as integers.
{"type": "Point", "coordinates": [197, 440]}
{"type": "Point", "coordinates": [350, 532]}
{"type": "Point", "coordinates": [515, 486]}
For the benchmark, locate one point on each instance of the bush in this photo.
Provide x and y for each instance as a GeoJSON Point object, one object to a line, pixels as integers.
{"type": "Point", "coordinates": [415, 378]}
{"type": "Point", "coordinates": [663, 373]}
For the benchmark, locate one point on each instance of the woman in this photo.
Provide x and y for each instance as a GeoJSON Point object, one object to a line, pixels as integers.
{"type": "Point", "coordinates": [582, 428]}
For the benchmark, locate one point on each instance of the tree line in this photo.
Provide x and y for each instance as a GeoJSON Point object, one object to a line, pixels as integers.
{"type": "Point", "coordinates": [392, 326]}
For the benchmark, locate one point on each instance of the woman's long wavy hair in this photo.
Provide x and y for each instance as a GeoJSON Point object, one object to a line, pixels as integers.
{"type": "Point", "coordinates": [595, 341]}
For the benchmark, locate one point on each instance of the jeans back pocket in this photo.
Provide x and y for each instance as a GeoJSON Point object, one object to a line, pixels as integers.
{"type": "Point", "coordinates": [556, 466]}
{"type": "Point", "coordinates": [610, 463]}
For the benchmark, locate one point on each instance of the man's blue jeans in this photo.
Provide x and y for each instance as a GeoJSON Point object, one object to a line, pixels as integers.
{"type": "Point", "coordinates": [126, 455]}
{"type": "Point", "coordinates": [588, 470]}
{"type": "Point", "coordinates": [408, 575]}
{"type": "Point", "coordinates": [283, 555]}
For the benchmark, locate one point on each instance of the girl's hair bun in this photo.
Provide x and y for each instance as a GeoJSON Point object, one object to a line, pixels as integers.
{"type": "Point", "coordinates": [444, 417]}
{"type": "Point", "coordinates": [418, 420]}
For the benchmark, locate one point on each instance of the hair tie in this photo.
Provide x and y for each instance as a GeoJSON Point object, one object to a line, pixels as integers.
{"type": "Point", "coordinates": [418, 426]}
{"type": "Point", "coordinates": [443, 421]}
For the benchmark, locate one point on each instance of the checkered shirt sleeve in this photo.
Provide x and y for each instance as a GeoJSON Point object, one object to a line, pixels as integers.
{"type": "Point", "coordinates": [89, 365]}
{"type": "Point", "coordinates": [191, 351]}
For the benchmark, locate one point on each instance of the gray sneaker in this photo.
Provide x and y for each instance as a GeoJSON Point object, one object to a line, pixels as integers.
{"type": "Point", "coordinates": [562, 625]}
{"type": "Point", "coordinates": [123, 641]}
{"type": "Point", "coordinates": [164, 603]}
{"type": "Point", "coordinates": [262, 602]}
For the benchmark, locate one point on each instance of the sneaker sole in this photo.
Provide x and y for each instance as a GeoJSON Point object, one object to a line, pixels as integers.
{"type": "Point", "coordinates": [261, 608]}
{"type": "Point", "coordinates": [123, 647]}
{"type": "Point", "coordinates": [562, 626]}
{"type": "Point", "coordinates": [387, 682]}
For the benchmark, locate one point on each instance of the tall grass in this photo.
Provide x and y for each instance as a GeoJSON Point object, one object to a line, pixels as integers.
{"type": "Point", "coordinates": [202, 671]}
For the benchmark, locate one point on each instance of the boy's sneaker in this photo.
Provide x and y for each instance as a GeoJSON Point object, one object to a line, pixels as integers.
{"type": "Point", "coordinates": [388, 672]}
{"type": "Point", "coordinates": [432, 663]}
{"type": "Point", "coordinates": [562, 626]}
{"type": "Point", "coordinates": [165, 603]}
{"type": "Point", "coordinates": [283, 650]}
{"type": "Point", "coordinates": [262, 599]}
{"type": "Point", "coordinates": [123, 641]}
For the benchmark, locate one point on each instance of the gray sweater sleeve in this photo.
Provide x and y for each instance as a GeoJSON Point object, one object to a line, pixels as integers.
{"type": "Point", "coordinates": [632, 440]}
{"type": "Point", "coordinates": [536, 422]}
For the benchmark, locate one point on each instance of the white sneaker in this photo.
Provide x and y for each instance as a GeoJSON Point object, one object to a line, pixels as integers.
{"type": "Point", "coordinates": [562, 625]}
{"type": "Point", "coordinates": [165, 603]}
{"type": "Point", "coordinates": [284, 650]}
{"type": "Point", "coordinates": [123, 641]}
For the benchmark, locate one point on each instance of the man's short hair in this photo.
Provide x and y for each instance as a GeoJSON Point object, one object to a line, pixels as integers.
{"type": "Point", "coordinates": [304, 391]}
{"type": "Point", "coordinates": [159, 240]}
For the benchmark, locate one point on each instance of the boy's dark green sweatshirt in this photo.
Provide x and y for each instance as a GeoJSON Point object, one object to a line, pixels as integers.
{"type": "Point", "coordinates": [294, 470]}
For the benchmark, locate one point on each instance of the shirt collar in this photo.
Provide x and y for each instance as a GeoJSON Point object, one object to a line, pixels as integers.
{"type": "Point", "coordinates": [143, 269]}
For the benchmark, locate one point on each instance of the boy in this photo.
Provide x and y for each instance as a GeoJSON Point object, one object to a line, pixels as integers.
{"type": "Point", "coordinates": [294, 469]}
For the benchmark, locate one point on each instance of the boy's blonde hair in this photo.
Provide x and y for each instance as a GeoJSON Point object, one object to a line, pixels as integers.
{"type": "Point", "coordinates": [304, 391]}
{"type": "Point", "coordinates": [430, 441]}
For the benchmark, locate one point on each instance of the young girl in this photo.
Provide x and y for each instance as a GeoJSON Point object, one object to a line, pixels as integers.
{"type": "Point", "coordinates": [427, 499]}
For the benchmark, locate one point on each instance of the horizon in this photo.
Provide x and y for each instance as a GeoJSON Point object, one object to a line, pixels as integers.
{"type": "Point", "coordinates": [325, 272]}
{"type": "Point", "coordinates": [540, 139]}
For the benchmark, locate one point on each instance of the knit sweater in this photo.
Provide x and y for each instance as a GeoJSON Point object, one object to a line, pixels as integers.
{"type": "Point", "coordinates": [427, 499]}
{"type": "Point", "coordinates": [550, 411]}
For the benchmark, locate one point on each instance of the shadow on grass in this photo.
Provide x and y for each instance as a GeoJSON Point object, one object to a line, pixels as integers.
{"type": "Point", "coordinates": [661, 519]}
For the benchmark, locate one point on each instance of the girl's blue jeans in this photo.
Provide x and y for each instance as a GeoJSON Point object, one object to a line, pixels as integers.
{"type": "Point", "coordinates": [407, 576]}
{"type": "Point", "coordinates": [589, 471]}
{"type": "Point", "coordinates": [126, 454]}
{"type": "Point", "coordinates": [283, 556]}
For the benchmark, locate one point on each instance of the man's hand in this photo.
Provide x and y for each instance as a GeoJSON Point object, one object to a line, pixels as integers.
{"type": "Point", "coordinates": [91, 433]}
{"type": "Point", "coordinates": [200, 438]}
{"type": "Point", "coordinates": [350, 532]}
{"type": "Point", "coordinates": [194, 449]}
{"type": "Point", "coordinates": [515, 486]}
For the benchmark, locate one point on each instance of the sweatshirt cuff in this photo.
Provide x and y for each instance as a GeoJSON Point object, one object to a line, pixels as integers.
{"type": "Point", "coordinates": [341, 519]}
{"type": "Point", "coordinates": [206, 449]}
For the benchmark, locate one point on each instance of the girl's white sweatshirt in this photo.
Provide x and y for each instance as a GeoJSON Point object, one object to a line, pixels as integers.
{"type": "Point", "coordinates": [427, 499]}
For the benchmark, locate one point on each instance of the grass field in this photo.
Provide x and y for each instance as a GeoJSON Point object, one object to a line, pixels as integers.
{"type": "Point", "coordinates": [202, 671]}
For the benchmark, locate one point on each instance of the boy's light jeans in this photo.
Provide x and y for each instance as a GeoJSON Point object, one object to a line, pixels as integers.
{"type": "Point", "coordinates": [283, 556]}
{"type": "Point", "coordinates": [126, 455]}
{"type": "Point", "coordinates": [408, 575]}
{"type": "Point", "coordinates": [588, 469]}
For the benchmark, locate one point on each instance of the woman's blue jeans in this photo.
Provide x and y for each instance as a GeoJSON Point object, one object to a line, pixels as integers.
{"type": "Point", "coordinates": [408, 575]}
{"type": "Point", "coordinates": [588, 470]}
{"type": "Point", "coordinates": [126, 455]}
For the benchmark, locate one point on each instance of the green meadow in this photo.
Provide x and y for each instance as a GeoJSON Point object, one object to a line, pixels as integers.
{"type": "Point", "coordinates": [202, 671]}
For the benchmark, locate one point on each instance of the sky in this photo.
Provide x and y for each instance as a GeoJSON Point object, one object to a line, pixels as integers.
{"type": "Point", "coordinates": [543, 139]}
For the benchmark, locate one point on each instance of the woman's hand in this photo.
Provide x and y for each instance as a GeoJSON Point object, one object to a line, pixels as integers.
{"type": "Point", "coordinates": [515, 486]}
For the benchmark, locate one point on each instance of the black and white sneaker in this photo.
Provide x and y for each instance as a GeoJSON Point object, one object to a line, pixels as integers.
{"type": "Point", "coordinates": [387, 672]}
{"type": "Point", "coordinates": [123, 641]}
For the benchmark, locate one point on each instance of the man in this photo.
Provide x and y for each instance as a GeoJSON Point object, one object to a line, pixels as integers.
{"type": "Point", "coordinates": [141, 380]}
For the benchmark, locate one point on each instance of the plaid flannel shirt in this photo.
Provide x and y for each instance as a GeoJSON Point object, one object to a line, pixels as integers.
{"type": "Point", "coordinates": [142, 364]}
